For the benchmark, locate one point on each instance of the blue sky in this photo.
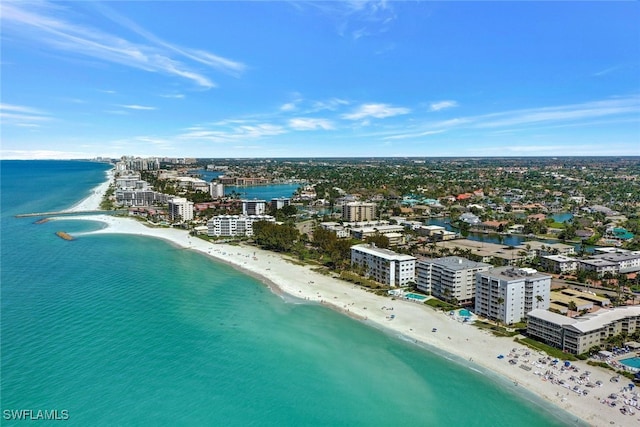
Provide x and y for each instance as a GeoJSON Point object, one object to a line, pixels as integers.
{"type": "Point", "coordinates": [319, 79]}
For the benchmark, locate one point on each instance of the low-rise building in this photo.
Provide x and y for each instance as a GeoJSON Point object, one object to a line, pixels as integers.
{"type": "Point", "coordinates": [578, 335]}
{"type": "Point", "coordinates": [234, 225]}
{"type": "Point", "coordinates": [559, 264]}
{"type": "Point", "coordinates": [383, 265]}
{"type": "Point", "coordinates": [393, 232]}
{"type": "Point", "coordinates": [340, 230]}
{"type": "Point", "coordinates": [599, 266]}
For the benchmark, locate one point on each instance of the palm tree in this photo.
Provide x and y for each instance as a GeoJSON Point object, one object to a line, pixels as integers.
{"type": "Point", "coordinates": [539, 299]}
{"type": "Point", "coordinates": [500, 302]}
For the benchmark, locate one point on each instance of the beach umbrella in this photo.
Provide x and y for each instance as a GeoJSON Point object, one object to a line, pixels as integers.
{"type": "Point", "coordinates": [567, 363]}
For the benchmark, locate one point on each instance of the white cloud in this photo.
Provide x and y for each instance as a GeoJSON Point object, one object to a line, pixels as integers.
{"type": "Point", "coordinates": [289, 106]}
{"type": "Point", "coordinates": [441, 105]}
{"type": "Point", "coordinates": [19, 115]}
{"type": "Point", "coordinates": [43, 24]}
{"type": "Point", "coordinates": [415, 135]}
{"type": "Point", "coordinates": [137, 107]}
{"type": "Point", "coordinates": [233, 133]}
{"type": "Point", "coordinates": [378, 111]}
{"type": "Point", "coordinates": [174, 96]}
{"type": "Point", "coordinates": [563, 113]}
{"type": "Point", "coordinates": [301, 123]}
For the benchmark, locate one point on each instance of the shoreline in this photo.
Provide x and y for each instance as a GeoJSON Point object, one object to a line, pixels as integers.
{"type": "Point", "coordinates": [459, 342]}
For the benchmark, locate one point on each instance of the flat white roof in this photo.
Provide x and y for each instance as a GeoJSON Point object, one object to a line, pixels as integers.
{"type": "Point", "coordinates": [382, 253]}
{"type": "Point", "coordinates": [601, 318]}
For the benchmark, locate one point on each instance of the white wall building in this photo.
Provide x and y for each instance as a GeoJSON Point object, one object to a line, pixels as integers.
{"type": "Point", "coordinates": [254, 207]}
{"type": "Point", "coordinates": [216, 189]}
{"type": "Point", "coordinates": [449, 277]}
{"type": "Point", "coordinates": [578, 335]}
{"type": "Point", "coordinates": [383, 265]}
{"type": "Point", "coordinates": [180, 209]}
{"type": "Point", "coordinates": [280, 202]}
{"type": "Point", "coordinates": [559, 264]}
{"type": "Point", "coordinates": [507, 294]}
{"type": "Point", "coordinates": [234, 225]}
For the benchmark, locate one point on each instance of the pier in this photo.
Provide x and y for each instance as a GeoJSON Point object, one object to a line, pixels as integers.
{"type": "Point", "coordinates": [65, 213]}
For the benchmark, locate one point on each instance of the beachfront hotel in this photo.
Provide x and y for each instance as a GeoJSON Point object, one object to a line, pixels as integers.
{"type": "Point", "coordinates": [384, 266]}
{"type": "Point", "coordinates": [579, 334]}
{"type": "Point", "coordinates": [358, 211]}
{"type": "Point", "coordinates": [234, 225]}
{"type": "Point", "coordinates": [180, 209]}
{"type": "Point", "coordinates": [449, 277]}
{"type": "Point", "coordinates": [507, 294]}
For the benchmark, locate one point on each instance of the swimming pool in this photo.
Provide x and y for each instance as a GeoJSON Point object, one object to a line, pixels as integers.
{"type": "Point", "coordinates": [464, 313]}
{"type": "Point", "coordinates": [415, 297]}
{"type": "Point", "coordinates": [634, 362]}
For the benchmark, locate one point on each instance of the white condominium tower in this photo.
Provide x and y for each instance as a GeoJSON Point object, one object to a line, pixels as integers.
{"type": "Point", "coordinates": [180, 209]}
{"type": "Point", "coordinates": [449, 278]}
{"type": "Point", "coordinates": [507, 294]}
{"type": "Point", "coordinates": [383, 265]}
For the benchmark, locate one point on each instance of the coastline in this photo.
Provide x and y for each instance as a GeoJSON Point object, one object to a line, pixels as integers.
{"type": "Point", "coordinates": [412, 321]}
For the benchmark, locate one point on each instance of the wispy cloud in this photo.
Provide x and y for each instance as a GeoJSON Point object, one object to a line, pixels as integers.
{"type": "Point", "coordinates": [233, 133]}
{"type": "Point", "coordinates": [289, 106]}
{"type": "Point", "coordinates": [356, 18]}
{"type": "Point", "coordinates": [44, 23]}
{"type": "Point", "coordinates": [173, 96]}
{"type": "Point", "coordinates": [301, 123]}
{"type": "Point", "coordinates": [414, 135]}
{"type": "Point", "coordinates": [331, 104]}
{"type": "Point", "coordinates": [22, 116]}
{"type": "Point", "coordinates": [563, 113]}
{"type": "Point", "coordinates": [441, 105]}
{"type": "Point", "coordinates": [137, 107]}
{"type": "Point", "coordinates": [378, 111]}
{"type": "Point", "coordinates": [606, 71]}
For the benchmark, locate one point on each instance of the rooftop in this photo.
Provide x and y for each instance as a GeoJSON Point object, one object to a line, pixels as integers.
{"type": "Point", "coordinates": [454, 263]}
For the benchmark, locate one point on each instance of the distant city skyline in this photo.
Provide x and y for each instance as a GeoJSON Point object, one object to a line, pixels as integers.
{"type": "Point", "coordinates": [319, 79]}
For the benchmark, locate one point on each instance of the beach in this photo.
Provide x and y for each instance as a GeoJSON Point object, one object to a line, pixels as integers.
{"type": "Point", "coordinates": [478, 349]}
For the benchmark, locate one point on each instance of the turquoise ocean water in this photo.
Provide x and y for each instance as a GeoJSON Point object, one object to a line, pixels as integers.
{"type": "Point", "coordinates": [127, 330]}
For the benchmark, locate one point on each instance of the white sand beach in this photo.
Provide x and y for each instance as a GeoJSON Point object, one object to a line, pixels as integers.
{"type": "Point", "coordinates": [92, 202]}
{"type": "Point", "coordinates": [477, 349]}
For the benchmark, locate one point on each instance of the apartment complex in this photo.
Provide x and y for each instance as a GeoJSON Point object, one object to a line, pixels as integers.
{"type": "Point", "coordinates": [507, 294]}
{"type": "Point", "coordinates": [358, 211]}
{"type": "Point", "coordinates": [561, 264]}
{"type": "Point", "coordinates": [449, 278]}
{"type": "Point", "coordinates": [577, 335]}
{"type": "Point", "coordinates": [254, 207]}
{"type": "Point", "coordinates": [180, 209]}
{"type": "Point", "coordinates": [234, 225]}
{"type": "Point", "coordinates": [384, 266]}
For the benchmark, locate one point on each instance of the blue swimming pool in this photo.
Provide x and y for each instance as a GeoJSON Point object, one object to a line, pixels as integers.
{"type": "Point", "coordinates": [464, 313]}
{"type": "Point", "coordinates": [634, 362]}
{"type": "Point", "coordinates": [415, 297]}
